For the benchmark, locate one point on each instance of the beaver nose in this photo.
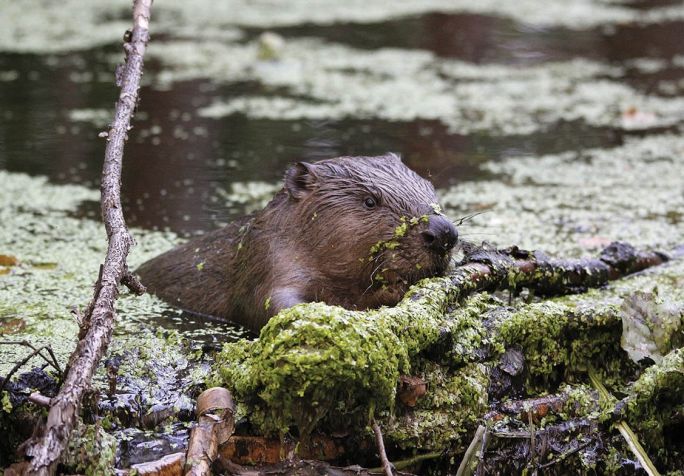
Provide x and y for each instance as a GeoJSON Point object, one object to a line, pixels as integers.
{"type": "Point", "coordinates": [441, 235]}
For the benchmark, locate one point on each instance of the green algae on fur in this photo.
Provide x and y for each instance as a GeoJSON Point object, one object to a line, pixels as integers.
{"type": "Point", "coordinates": [399, 232]}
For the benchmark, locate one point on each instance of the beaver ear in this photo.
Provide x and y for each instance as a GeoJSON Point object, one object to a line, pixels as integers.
{"type": "Point", "coordinates": [300, 179]}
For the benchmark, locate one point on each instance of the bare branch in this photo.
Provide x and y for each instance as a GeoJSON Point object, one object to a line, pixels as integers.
{"type": "Point", "coordinates": [386, 465]}
{"type": "Point", "coordinates": [215, 425]}
{"type": "Point", "coordinates": [45, 451]}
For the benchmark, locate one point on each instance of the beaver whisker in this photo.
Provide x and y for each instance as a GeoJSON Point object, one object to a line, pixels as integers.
{"type": "Point", "coordinates": [476, 233]}
{"type": "Point", "coordinates": [466, 218]}
{"type": "Point", "coordinates": [372, 276]}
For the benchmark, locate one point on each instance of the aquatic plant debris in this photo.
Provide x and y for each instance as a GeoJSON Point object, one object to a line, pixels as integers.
{"type": "Point", "coordinates": [313, 79]}
{"type": "Point", "coordinates": [82, 24]}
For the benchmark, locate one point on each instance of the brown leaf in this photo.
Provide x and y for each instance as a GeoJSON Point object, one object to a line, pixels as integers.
{"type": "Point", "coordinates": [11, 326]}
{"type": "Point", "coordinates": [411, 389]}
{"type": "Point", "coordinates": [8, 260]}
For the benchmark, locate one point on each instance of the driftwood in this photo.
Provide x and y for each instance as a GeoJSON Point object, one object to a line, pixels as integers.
{"type": "Point", "coordinates": [96, 325]}
{"type": "Point", "coordinates": [216, 424]}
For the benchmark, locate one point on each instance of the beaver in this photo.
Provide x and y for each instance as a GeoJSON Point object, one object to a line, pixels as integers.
{"type": "Point", "coordinates": [349, 231]}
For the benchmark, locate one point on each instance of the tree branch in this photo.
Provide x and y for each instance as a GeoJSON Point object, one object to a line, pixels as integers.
{"type": "Point", "coordinates": [45, 451]}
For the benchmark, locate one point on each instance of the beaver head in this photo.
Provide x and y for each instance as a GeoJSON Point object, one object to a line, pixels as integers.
{"type": "Point", "coordinates": [368, 227]}
{"type": "Point", "coordinates": [350, 231]}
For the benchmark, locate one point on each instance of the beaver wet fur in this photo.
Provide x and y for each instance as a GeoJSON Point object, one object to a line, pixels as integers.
{"type": "Point", "coordinates": [350, 231]}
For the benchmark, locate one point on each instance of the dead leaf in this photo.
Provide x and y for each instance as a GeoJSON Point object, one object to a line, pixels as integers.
{"type": "Point", "coordinates": [411, 389]}
{"type": "Point", "coordinates": [8, 260]}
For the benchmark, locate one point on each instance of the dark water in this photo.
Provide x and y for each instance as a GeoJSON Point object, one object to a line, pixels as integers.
{"type": "Point", "coordinates": [176, 162]}
{"type": "Point", "coordinates": [486, 39]}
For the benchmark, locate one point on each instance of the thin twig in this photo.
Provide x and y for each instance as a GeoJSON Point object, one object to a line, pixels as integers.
{"type": "Point", "coordinates": [22, 362]}
{"type": "Point", "coordinates": [410, 462]}
{"type": "Point", "coordinates": [98, 323]}
{"type": "Point", "coordinates": [386, 465]}
{"type": "Point", "coordinates": [52, 361]}
{"type": "Point", "coordinates": [565, 455]}
{"type": "Point", "coordinates": [625, 430]}
{"type": "Point", "coordinates": [465, 468]}
{"type": "Point", "coordinates": [132, 282]}
{"type": "Point", "coordinates": [40, 399]}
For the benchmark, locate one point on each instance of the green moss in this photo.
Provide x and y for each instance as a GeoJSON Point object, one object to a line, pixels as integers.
{"type": "Point", "coordinates": [310, 359]}
{"type": "Point", "coordinates": [6, 403]}
{"type": "Point", "coordinates": [656, 401]}
{"type": "Point", "coordinates": [561, 339]}
{"type": "Point", "coordinates": [469, 332]}
{"type": "Point", "coordinates": [447, 414]}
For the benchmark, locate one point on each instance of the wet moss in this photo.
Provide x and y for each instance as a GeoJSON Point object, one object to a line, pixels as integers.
{"type": "Point", "coordinates": [313, 358]}
{"type": "Point", "coordinates": [655, 405]}
{"type": "Point", "coordinates": [448, 413]}
{"type": "Point", "coordinates": [561, 340]}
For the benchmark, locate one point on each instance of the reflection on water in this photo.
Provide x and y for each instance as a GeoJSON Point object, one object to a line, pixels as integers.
{"type": "Point", "coordinates": [178, 165]}
{"type": "Point", "coordinates": [486, 39]}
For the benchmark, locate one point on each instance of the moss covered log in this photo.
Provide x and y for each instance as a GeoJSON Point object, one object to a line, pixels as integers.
{"type": "Point", "coordinates": [315, 363]}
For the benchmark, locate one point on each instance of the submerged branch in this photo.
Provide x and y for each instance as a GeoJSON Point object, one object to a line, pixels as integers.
{"type": "Point", "coordinates": [98, 322]}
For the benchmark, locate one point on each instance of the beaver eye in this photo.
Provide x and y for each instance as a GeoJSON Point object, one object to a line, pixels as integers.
{"type": "Point", "coordinates": [369, 202]}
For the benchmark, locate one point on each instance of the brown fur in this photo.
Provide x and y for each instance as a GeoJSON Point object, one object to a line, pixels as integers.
{"type": "Point", "coordinates": [312, 242]}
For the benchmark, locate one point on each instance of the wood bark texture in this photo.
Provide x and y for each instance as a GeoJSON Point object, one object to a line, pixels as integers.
{"type": "Point", "coordinates": [97, 322]}
{"type": "Point", "coordinates": [215, 425]}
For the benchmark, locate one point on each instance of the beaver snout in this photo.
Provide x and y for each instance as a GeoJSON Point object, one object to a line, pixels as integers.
{"type": "Point", "coordinates": [441, 235]}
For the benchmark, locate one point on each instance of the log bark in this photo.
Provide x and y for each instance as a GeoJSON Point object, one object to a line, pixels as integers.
{"type": "Point", "coordinates": [216, 424]}
{"type": "Point", "coordinates": [515, 269]}
{"type": "Point", "coordinates": [98, 321]}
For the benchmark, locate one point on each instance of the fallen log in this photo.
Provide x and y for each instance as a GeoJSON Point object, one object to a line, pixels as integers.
{"type": "Point", "coordinates": [97, 322]}
{"type": "Point", "coordinates": [312, 358]}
